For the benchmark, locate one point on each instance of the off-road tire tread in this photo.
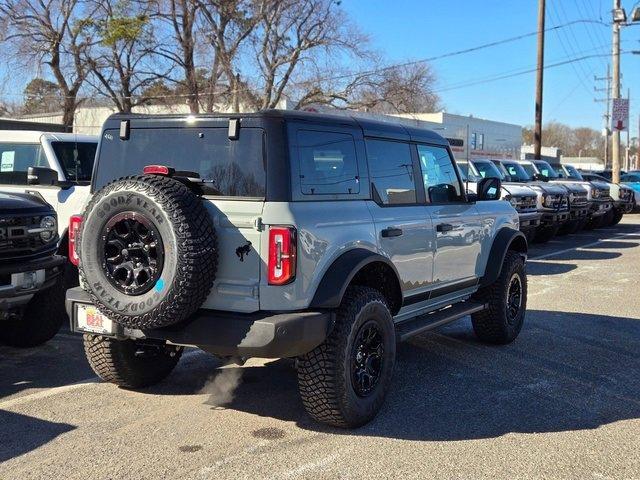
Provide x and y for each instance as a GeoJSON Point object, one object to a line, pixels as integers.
{"type": "Point", "coordinates": [197, 250]}
{"type": "Point", "coordinates": [489, 324]}
{"type": "Point", "coordinates": [317, 370]}
{"type": "Point", "coordinates": [114, 362]}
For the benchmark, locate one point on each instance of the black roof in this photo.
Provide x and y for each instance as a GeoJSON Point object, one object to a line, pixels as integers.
{"type": "Point", "coordinates": [370, 127]}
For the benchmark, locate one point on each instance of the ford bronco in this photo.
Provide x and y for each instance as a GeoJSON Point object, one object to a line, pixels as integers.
{"type": "Point", "coordinates": [287, 234]}
{"type": "Point", "coordinates": [31, 297]}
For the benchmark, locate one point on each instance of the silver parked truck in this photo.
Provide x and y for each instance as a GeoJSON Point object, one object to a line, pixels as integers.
{"type": "Point", "coordinates": [287, 234]}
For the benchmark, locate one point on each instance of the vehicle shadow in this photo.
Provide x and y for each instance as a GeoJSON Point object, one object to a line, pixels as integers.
{"type": "Point", "coordinates": [61, 361]}
{"type": "Point", "coordinates": [549, 268]}
{"type": "Point", "coordinates": [22, 433]}
{"type": "Point", "coordinates": [583, 255]}
{"type": "Point", "coordinates": [613, 244]}
{"type": "Point", "coordinates": [563, 373]}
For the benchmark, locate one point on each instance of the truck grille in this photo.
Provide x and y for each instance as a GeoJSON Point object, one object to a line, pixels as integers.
{"type": "Point", "coordinates": [579, 199]}
{"type": "Point", "coordinates": [17, 243]}
{"type": "Point", "coordinates": [526, 204]}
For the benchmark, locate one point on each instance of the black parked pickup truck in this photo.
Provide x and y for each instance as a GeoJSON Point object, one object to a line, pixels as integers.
{"type": "Point", "coordinates": [31, 309]}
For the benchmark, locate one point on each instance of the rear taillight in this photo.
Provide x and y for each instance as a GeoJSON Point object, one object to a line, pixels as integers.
{"type": "Point", "coordinates": [282, 255]}
{"type": "Point", "coordinates": [75, 222]}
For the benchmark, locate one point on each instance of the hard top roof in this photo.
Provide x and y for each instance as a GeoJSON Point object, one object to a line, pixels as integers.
{"type": "Point", "coordinates": [393, 129]}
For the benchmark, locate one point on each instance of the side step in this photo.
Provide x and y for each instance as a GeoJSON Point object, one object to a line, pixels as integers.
{"type": "Point", "coordinates": [432, 320]}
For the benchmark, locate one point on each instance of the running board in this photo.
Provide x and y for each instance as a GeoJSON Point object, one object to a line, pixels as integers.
{"type": "Point", "coordinates": [435, 319]}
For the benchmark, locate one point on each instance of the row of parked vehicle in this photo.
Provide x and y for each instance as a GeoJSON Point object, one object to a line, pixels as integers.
{"type": "Point", "coordinates": [554, 199]}
{"type": "Point", "coordinates": [277, 234]}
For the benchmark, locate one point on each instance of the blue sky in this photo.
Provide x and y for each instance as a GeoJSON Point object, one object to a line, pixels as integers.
{"type": "Point", "coordinates": [412, 29]}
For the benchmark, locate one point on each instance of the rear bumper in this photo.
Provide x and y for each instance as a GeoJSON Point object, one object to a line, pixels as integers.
{"type": "Point", "coordinates": [21, 281]}
{"type": "Point", "coordinates": [261, 334]}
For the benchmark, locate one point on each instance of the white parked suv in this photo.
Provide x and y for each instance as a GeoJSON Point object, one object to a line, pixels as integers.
{"type": "Point", "coordinates": [57, 166]}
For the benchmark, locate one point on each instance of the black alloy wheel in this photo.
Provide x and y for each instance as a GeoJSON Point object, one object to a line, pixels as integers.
{"type": "Point", "coordinates": [132, 255]}
{"type": "Point", "coordinates": [367, 359]}
{"type": "Point", "coordinates": [514, 298]}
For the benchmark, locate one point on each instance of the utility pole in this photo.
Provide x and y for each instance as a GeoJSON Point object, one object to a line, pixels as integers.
{"type": "Point", "coordinates": [627, 158]}
{"type": "Point", "coordinates": [615, 147]}
{"type": "Point", "coordinates": [537, 131]}
{"type": "Point", "coordinates": [607, 110]}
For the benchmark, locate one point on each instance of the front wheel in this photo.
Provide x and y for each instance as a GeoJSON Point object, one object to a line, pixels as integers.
{"type": "Point", "coordinates": [617, 216]}
{"type": "Point", "coordinates": [130, 363]}
{"type": "Point", "coordinates": [343, 381]}
{"type": "Point", "coordinates": [506, 300]}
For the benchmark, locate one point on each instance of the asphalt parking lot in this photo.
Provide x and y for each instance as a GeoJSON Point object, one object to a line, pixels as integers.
{"type": "Point", "coordinates": [563, 401]}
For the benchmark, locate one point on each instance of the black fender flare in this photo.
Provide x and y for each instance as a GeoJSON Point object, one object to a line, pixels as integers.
{"type": "Point", "coordinates": [341, 272]}
{"type": "Point", "coordinates": [506, 239]}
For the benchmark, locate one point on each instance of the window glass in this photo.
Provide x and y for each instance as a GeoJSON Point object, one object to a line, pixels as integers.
{"type": "Point", "coordinates": [480, 143]}
{"type": "Point", "coordinates": [516, 172]}
{"type": "Point", "coordinates": [487, 169]}
{"type": "Point", "coordinates": [232, 168]}
{"type": "Point", "coordinates": [573, 172]}
{"type": "Point", "coordinates": [529, 168]}
{"type": "Point", "coordinates": [630, 178]}
{"type": "Point", "coordinates": [441, 182]}
{"type": "Point", "coordinates": [76, 159]}
{"type": "Point", "coordinates": [546, 169]}
{"type": "Point", "coordinates": [391, 171]}
{"type": "Point", "coordinates": [328, 163]}
{"type": "Point", "coordinates": [15, 160]}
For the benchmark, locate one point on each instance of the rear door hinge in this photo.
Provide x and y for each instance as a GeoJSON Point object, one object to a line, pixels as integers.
{"type": "Point", "coordinates": [257, 224]}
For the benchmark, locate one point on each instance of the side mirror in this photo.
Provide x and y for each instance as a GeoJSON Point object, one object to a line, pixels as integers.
{"type": "Point", "coordinates": [538, 177]}
{"type": "Point", "coordinates": [41, 176]}
{"type": "Point", "coordinates": [489, 189]}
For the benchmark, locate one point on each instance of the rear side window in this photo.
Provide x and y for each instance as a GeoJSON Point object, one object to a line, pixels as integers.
{"type": "Point", "coordinates": [441, 181]}
{"type": "Point", "coordinates": [230, 168]}
{"type": "Point", "coordinates": [76, 159]}
{"type": "Point", "coordinates": [391, 172]}
{"type": "Point", "coordinates": [328, 163]}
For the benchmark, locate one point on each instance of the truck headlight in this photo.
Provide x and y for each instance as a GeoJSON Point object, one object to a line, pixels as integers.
{"type": "Point", "coordinates": [513, 201]}
{"type": "Point", "coordinates": [547, 200]}
{"type": "Point", "coordinates": [50, 227]}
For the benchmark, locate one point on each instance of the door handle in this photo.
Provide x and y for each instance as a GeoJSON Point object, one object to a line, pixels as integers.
{"type": "Point", "coordinates": [391, 232]}
{"type": "Point", "coordinates": [444, 227]}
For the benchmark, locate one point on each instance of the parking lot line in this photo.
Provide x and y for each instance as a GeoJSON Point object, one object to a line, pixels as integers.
{"type": "Point", "coordinates": [577, 247]}
{"type": "Point", "coordinates": [46, 393]}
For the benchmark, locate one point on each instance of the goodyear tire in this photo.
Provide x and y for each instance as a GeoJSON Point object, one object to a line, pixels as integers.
{"type": "Point", "coordinates": [148, 251]}
{"type": "Point", "coordinates": [506, 298]}
{"type": "Point", "coordinates": [343, 381]}
{"type": "Point", "coordinates": [128, 363]}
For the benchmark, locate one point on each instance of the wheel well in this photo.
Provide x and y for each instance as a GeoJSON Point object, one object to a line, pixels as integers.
{"type": "Point", "coordinates": [519, 244]}
{"type": "Point", "coordinates": [381, 276]}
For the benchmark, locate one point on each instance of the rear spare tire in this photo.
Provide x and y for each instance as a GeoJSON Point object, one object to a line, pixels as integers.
{"type": "Point", "coordinates": [148, 251]}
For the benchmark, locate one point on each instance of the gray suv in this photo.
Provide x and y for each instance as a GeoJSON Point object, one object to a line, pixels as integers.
{"type": "Point", "coordinates": [287, 234]}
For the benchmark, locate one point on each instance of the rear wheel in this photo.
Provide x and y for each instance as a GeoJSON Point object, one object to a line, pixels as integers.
{"type": "Point", "coordinates": [130, 363]}
{"type": "Point", "coordinates": [544, 234]}
{"type": "Point", "coordinates": [506, 301]}
{"type": "Point", "coordinates": [343, 381]}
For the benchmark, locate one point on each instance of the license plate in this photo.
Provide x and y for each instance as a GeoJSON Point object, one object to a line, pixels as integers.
{"type": "Point", "coordinates": [89, 319]}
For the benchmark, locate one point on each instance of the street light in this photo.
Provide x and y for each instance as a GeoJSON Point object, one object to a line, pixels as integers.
{"type": "Point", "coordinates": [635, 14]}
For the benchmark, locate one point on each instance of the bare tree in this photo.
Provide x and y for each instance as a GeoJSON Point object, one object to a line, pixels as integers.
{"type": "Point", "coordinates": [180, 49]}
{"type": "Point", "coordinates": [228, 25]}
{"type": "Point", "coordinates": [45, 31]}
{"type": "Point", "coordinates": [122, 60]}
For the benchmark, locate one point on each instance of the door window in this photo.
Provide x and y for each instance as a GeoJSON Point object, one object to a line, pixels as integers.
{"type": "Point", "coordinates": [391, 171]}
{"type": "Point", "coordinates": [15, 160]}
{"type": "Point", "coordinates": [328, 163]}
{"type": "Point", "coordinates": [441, 182]}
